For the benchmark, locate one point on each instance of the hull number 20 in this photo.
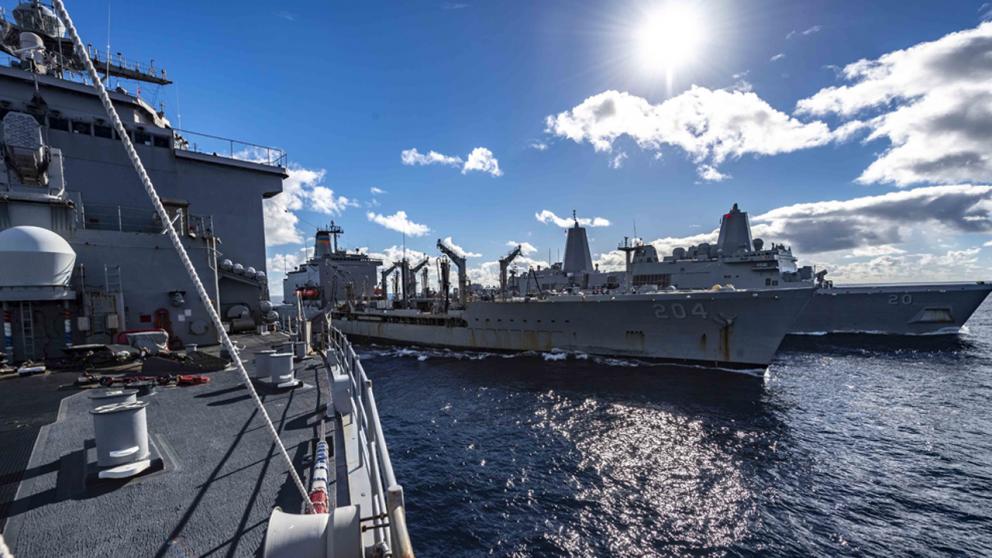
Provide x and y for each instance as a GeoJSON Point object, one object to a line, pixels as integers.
{"type": "Point", "coordinates": [901, 299]}
{"type": "Point", "coordinates": [678, 311]}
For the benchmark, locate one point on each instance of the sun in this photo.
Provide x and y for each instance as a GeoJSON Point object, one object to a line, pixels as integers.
{"type": "Point", "coordinates": [669, 38]}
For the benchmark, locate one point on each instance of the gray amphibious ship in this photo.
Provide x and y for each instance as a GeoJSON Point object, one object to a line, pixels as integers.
{"type": "Point", "coordinates": [895, 309]}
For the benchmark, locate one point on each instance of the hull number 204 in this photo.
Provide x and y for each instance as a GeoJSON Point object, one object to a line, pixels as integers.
{"type": "Point", "coordinates": [678, 311]}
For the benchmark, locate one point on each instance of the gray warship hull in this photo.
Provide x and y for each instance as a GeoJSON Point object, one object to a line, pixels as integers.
{"type": "Point", "coordinates": [911, 309]}
{"type": "Point", "coordinates": [721, 329]}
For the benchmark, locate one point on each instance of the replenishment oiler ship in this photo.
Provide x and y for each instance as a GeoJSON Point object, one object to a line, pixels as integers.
{"type": "Point", "coordinates": [722, 328]}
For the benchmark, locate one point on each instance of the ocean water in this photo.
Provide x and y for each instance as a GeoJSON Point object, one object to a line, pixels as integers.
{"type": "Point", "coordinates": [846, 446]}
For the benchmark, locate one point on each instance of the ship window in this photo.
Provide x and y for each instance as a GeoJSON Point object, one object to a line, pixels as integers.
{"type": "Point", "coordinates": [768, 281]}
{"type": "Point", "coordinates": [81, 127]}
{"type": "Point", "coordinates": [58, 123]}
{"type": "Point", "coordinates": [160, 141]}
{"type": "Point", "coordinates": [102, 131]}
{"type": "Point", "coordinates": [774, 283]}
{"type": "Point", "coordinates": [144, 138]}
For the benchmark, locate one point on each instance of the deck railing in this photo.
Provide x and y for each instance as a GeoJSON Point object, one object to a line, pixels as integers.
{"type": "Point", "coordinates": [387, 494]}
{"type": "Point", "coordinates": [109, 217]}
{"type": "Point", "coordinates": [197, 142]}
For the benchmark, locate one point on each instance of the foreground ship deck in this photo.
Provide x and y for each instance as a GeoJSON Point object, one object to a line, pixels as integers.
{"type": "Point", "coordinates": [221, 476]}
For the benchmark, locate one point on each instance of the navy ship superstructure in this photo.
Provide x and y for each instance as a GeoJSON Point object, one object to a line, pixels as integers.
{"type": "Point", "coordinates": [63, 170]}
{"type": "Point", "coordinates": [332, 274]}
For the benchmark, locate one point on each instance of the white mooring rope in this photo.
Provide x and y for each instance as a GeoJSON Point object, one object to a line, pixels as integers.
{"type": "Point", "coordinates": [176, 242]}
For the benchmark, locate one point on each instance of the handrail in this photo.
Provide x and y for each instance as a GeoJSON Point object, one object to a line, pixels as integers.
{"type": "Point", "coordinates": [387, 494]}
{"type": "Point", "coordinates": [187, 140]}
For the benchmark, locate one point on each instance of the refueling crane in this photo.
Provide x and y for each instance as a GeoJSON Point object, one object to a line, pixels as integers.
{"type": "Point", "coordinates": [462, 271]}
{"type": "Point", "coordinates": [504, 263]}
{"type": "Point", "coordinates": [385, 280]}
{"type": "Point", "coordinates": [413, 276]}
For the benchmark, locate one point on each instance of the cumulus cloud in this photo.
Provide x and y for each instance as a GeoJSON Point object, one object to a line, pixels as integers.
{"type": "Point", "coordinates": [881, 228]}
{"type": "Point", "coordinates": [302, 189]}
{"type": "Point", "coordinates": [547, 216]}
{"type": "Point", "coordinates": [710, 174]}
{"type": "Point", "coordinates": [323, 200]}
{"type": "Point", "coordinates": [413, 157]}
{"type": "Point", "coordinates": [526, 248]}
{"type": "Point", "coordinates": [398, 222]}
{"type": "Point", "coordinates": [933, 103]}
{"type": "Point", "coordinates": [949, 265]}
{"type": "Point", "coordinates": [538, 145]}
{"type": "Point", "coordinates": [878, 220]}
{"type": "Point", "coordinates": [711, 126]}
{"type": "Point", "coordinates": [375, 191]}
{"type": "Point", "coordinates": [458, 249]}
{"type": "Point", "coordinates": [480, 159]}
{"type": "Point", "coordinates": [487, 273]}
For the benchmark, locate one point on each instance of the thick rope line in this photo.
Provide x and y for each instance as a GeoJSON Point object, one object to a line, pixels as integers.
{"type": "Point", "coordinates": [176, 242]}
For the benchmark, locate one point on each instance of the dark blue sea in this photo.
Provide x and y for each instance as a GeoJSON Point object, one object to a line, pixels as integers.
{"type": "Point", "coordinates": [846, 446]}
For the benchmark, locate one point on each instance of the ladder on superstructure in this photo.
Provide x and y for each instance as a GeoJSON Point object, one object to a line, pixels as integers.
{"type": "Point", "coordinates": [27, 329]}
{"type": "Point", "coordinates": [112, 278]}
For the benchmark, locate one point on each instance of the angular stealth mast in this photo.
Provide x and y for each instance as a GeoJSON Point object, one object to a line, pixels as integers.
{"type": "Point", "coordinates": [577, 256]}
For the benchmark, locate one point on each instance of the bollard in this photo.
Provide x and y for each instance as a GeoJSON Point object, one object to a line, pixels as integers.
{"type": "Point", "coordinates": [281, 370]}
{"type": "Point", "coordinates": [262, 362]}
{"type": "Point", "coordinates": [121, 431]}
{"type": "Point", "coordinates": [111, 396]}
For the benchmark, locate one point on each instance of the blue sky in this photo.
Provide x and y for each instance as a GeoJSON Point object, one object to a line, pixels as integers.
{"type": "Point", "coordinates": [347, 88]}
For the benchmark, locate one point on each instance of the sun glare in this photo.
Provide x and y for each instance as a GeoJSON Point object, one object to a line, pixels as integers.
{"type": "Point", "coordinates": [669, 38]}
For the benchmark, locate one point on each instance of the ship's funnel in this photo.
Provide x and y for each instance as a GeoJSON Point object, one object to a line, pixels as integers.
{"type": "Point", "coordinates": [735, 232]}
{"type": "Point", "coordinates": [577, 257]}
{"type": "Point", "coordinates": [323, 245]}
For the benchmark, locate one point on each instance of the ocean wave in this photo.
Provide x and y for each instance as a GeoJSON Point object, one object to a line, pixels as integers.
{"type": "Point", "coordinates": [422, 354]}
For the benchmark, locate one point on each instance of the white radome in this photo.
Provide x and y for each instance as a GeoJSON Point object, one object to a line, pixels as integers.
{"type": "Point", "coordinates": [34, 257]}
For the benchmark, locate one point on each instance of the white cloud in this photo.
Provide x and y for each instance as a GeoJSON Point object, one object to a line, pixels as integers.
{"type": "Point", "coordinates": [618, 160]}
{"type": "Point", "coordinates": [777, 57]}
{"type": "Point", "coordinates": [481, 159]}
{"type": "Point", "coordinates": [413, 157]}
{"type": "Point", "coordinates": [538, 145]}
{"type": "Point", "coordinates": [711, 126]}
{"type": "Point", "coordinates": [710, 174]}
{"type": "Point", "coordinates": [458, 249]}
{"type": "Point", "coordinates": [376, 191]}
{"type": "Point", "coordinates": [487, 273]}
{"type": "Point", "coordinates": [323, 200]}
{"type": "Point", "coordinates": [878, 220]}
{"type": "Point", "coordinates": [302, 189]}
{"type": "Point", "coordinates": [874, 251]}
{"type": "Point", "coordinates": [949, 265]}
{"type": "Point", "coordinates": [933, 103]}
{"type": "Point", "coordinates": [547, 216]}
{"type": "Point", "coordinates": [987, 244]}
{"type": "Point", "coordinates": [883, 228]}
{"type": "Point", "coordinates": [811, 30]}
{"type": "Point", "coordinates": [398, 222]}
{"type": "Point", "coordinates": [526, 248]}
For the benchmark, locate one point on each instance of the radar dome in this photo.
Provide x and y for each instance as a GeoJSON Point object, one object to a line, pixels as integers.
{"type": "Point", "coordinates": [226, 265]}
{"type": "Point", "coordinates": [34, 257]}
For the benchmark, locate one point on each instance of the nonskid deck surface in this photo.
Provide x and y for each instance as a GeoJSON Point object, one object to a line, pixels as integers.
{"type": "Point", "coordinates": [222, 474]}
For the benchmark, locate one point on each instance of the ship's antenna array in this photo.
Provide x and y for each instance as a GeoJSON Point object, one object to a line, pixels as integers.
{"type": "Point", "coordinates": [146, 181]}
